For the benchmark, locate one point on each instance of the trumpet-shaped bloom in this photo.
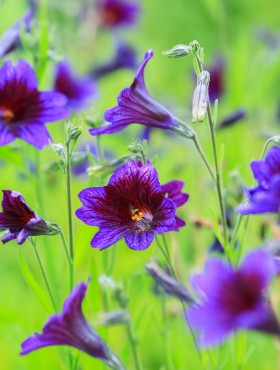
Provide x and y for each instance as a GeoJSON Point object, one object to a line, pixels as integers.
{"type": "Point", "coordinates": [19, 219]}
{"type": "Point", "coordinates": [233, 299]}
{"type": "Point", "coordinates": [117, 13]}
{"type": "Point", "coordinates": [132, 206]}
{"type": "Point", "coordinates": [265, 197]}
{"type": "Point", "coordinates": [79, 91]}
{"type": "Point", "coordinates": [135, 105]}
{"type": "Point", "coordinates": [23, 109]}
{"type": "Point", "coordinates": [71, 328]}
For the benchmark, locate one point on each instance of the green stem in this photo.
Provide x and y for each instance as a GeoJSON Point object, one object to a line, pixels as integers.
{"type": "Point", "coordinates": [165, 335]}
{"type": "Point", "coordinates": [133, 345]}
{"type": "Point", "coordinates": [68, 259]}
{"type": "Point", "coordinates": [43, 273]}
{"type": "Point", "coordinates": [218, 181]}
{"type": "Point", "coordinates": [69, 208]}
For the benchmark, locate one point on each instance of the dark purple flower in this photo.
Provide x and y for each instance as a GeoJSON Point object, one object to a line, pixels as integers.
{"type": "Point", "coordinates": [132, 206]}
{"type": "Point", "coordinates": [136, 106]}
{"type": "Point", "coordinates": [79, 91]}
{"type": "Point", "coordinates": [265, 197]}
{"type": "Point", "coordinates": [216, 85]}
{"type": "Point", "coordinates": [11, 38]}
{"type": "Point", "coordinates": [19, 219]}
{"type": "Point", "coordinates": [237, 116]}
{"type": "Point", "coordinates": [117, 13]}
{"type": "Point", "coordinates": [23, 109]}
{"type": "Point", "coordinates": [173, 191]}
{"type": "Point", "coordinates": [71, 328]}
{"type": "Point", "coordinates": [233, 299]}
{"type": "Point", "coordinates": [125, 57]}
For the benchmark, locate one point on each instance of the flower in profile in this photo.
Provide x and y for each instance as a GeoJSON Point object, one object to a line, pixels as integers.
{"type": "Point", "coordinates": [132, 206]}
{"type": "Point", "coordinates": [125, 57]}
{"type": "Point", "coordinates": [117, 13]}
{"type": "Point", "coordinates": [71, 328]}
{"type": "Point", "coordinates": [11, 38]}
{"type": "Point", "coordinates": [19, 219]}
{"type": "Point", "coordinates": [23, 109]}
{"type": "Point", "coordinates": [135, 105]}
{"type": "Point", "coordinates": [173, 191]}
{"type": "Point", "coordinates": [79, 91]}
{"type": "Point", "coordinates": [265, 197]}
{"type": "Point", "coordinates": [233, 299]}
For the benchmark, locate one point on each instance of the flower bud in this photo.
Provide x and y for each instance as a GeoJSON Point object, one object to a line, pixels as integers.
{"type": "Point", "coordinates": [136, 146]}
{"type": "Point", "coordinates": [59, 154]}
{"type": "Point", "coordinates": [72, 132]}
{"type": "Point", "coordinates": [200, 97]}
{"type": "Point", "coordinates": [54, 229]}
{"type": "Point", "coordinates": [178, 51]}
{"type": "Point", "coordinates": [112, 318]}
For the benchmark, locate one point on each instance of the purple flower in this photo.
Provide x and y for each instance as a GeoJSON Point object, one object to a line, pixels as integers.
{"type": "Point", "coordinates": [136, 106]}
{"type": "Point", "coordinates": [117, 13]}
{"type": "Point", "coordinates": [71, 328]}
{"type": "Point", "coordinates": [233, 299]}
{"type": "Point", "coordinates": [216, 85]}
{"type": "Point", "coordinates": [132, 206]}
{"type": "Point", "coordinates": [125, 57]}
{"type": "Point", "coordinates": [172, 190]}
{"type": "Point", "coordinates": [23, 109]}
{"type": "Point", "coordinates": [238, 115]}
{"type": "Point", "coordinates": [11, 38]}
{"type": "Point", "coordinates": [265, 197]}
{"type": "Point", "coordinates": [79, 91]}
{"type": "Point", "coordinates": [19, 219]}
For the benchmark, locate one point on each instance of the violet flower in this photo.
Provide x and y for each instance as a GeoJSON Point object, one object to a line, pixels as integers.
{"type": "Point", "coordinates": [71, 328]}
{"type": "Point", "coordinates": [233, 299]}
{"type": "Point", "coordinates": [11, 38]}
{"type": "Point", "coordinates": [79, 91]}
{"type": "Point", "coordinates": [117, 13]}
{"type": "Point", "coordinates": [136, 106]}
{"type": "Point", "coordinates": [265, 197]}
{"type": "Point", "coordinates": [23, 109]}
{"type": "Point", "coordinates": [132, 206]}
{"type": "Point", "coordinates": [19, 219]}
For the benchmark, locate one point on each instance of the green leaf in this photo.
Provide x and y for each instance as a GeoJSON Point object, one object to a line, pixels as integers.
{"type": "Point", "coordinates": [32, 282]}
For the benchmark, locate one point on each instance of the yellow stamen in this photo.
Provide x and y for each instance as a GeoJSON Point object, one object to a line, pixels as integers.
{"type": "Point", "coordinates": [137, 216]}
{"type": "Point", "coordinates": [6, 115]}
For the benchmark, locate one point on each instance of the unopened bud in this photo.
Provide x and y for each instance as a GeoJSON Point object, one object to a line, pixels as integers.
{"type": "Point", "coordinates": [178, 51]}
{"type": "Point", "coordinates": [200, 97]}
{"type": "Point", "coordinates": [54, 228]}
{"type": "Point", "coordinates": [72, 132]}
{"type": "Point", "coordinates": [194, 46]}
{"type": "Point", "coordinates": [112, 318]}
{"type": "Point", "coordinates": [136, 146]}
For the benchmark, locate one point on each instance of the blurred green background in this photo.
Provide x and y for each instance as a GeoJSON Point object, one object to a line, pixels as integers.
{"type": "Point", "coordinates": [246, 35]}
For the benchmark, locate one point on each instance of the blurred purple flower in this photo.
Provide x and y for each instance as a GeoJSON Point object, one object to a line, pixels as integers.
{"type": "Point", "coordinates": [173, 191]}
{"type": "Point", "coordinates": [132, 206]}
{"type": "Point", "coordinates": [233, 299]}
{"type": "Point", "coordinates": [233, 118]}
{"type": "Point", "coordinates": [125, 57]}
{"type": "Point", "coordinates": [136, 106]}
{"type": "Point", "coordinates": [23, 109]}
{"type": "Point", "coordinates": [265, 197]}
{"type": "Point", "coordinates": [216, 85]}
{"type": "Point", "coordinates": [79, 91]}
{"type": "Point", "coordinates": [19, 219]}
{"type": "Point", "coordinates": [11, 38]}
{"type": "Point", "coordinates": [117, 13]}
{"type": "Point", "coordinates": [71, 328]}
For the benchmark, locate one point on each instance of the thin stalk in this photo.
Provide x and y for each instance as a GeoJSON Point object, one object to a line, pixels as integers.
{"type": "Point", "coordinates": [165, 335]}
{"type": "Point", "coordinates": [69, 208]}
{"type": "Point", "coordinates": [43, 273]}
{"type": "Point", "coordinates": [217, 170]}
{"type": "Point", "coordinates": [133, 345]}
{"type": "Point", "coordinates": [68, 259]}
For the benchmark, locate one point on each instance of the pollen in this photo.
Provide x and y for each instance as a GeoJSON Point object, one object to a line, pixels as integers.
{"type": "Point", "coordinates": [6, 115]}
{"type": "Point", "coordinates": [137, 216]}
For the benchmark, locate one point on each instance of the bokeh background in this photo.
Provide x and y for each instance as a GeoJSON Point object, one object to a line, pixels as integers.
{"type": "Point", "coordinates": [245, 37]}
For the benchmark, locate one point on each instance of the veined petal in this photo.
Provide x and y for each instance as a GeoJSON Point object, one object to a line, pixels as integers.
{"type": "Point", "coordinates": [106, 237]}
{"type": "Point", "coordinates": [139, 240]}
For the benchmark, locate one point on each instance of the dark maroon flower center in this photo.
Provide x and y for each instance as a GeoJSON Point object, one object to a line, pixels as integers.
{"type": "Point", "coordinates": [142, 218]}
{"type": "Point", "coordinates": [6, 115]}
{"type": "Point", "coordinates": [112, 14]}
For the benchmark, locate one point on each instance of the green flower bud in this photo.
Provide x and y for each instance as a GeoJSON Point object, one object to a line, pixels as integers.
{"type": "Point", "coordinates": [178, 51]}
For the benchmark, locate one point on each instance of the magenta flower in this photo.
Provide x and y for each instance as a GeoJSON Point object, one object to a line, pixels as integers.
{"type": "Point", "coordinates": [23, 109]}
{"type": "Point", "coordinates": [233, 299]}
{"type": "Point", "coordinates": [265, 197]}
{"type": "Point", "coordinates": [136, 106]}
{"type": "Point", "coordinates": [79, 91]}
{"type": "Point", "coordinates": [132, 206]}
{"type": "Point", "coordinates": [19, 219]}
{"type": "Point", "coordinates": [70, 328]}
{"type": "Point", "coordinates": [117, 13]}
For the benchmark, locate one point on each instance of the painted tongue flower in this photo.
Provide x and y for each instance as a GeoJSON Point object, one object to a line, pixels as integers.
{"type": "Point", "coordinates": [71, 328]}
{"type": "Point", "coordinates": [79, 91]}
{"type": "Point", "coordinates": [265, 197]}
{"type": "Point", "coordinates": [132, 206]}
{"type": "Point", "coordinates": [23, 109]}
{"type": "Point", "coordinates": [117, 13]}
{"type": "Point", "coordinates": [233, 299]}
{"type": "Point", "coordinates": [19, 219]}
{"type": "Point", "coordinates": [136, 106]}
